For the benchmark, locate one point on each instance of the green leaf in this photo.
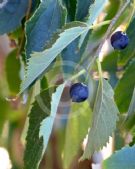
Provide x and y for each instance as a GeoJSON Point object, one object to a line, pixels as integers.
{"type": "Point", "coordinates": [47, 124]}
{"type": "Point", "coordinates": [125, 87]}
{"type": "Point", "coordinates": [94, 11]}
{"type": "Point", "coordinates": [83, 8]}
{"type": "Point", "coordinates": [49, 17]}
{"type": "Point", "coordinates": [44, 83]}
{"type": "Point", "coordinates": [34, 143]}
{"type": "Point", "coordinates": [129, 52]}
{"type": "Point", "coordinates": [109, 62]}
{"type": "Point", "coordinates": [130, 119]}
{"type": "Point", "coordinates": [11, 14]}
{"type": "Point", "coordinates": [41, 120]}
{"type": "Point", "coordinates": [40, 61]}
{"type": "Point", "coordinates": [12, 69]}
{"type": "Point", "coordinates": [92, 85]}
{"type": "Point", "coordinates": [131, 109]}
{"type": "Point", "coordinates": [77, 129]}
{"type": "Point", "coordinates": [123, 159]}
{"type": "Point", "coordinates": [71, 8]}
{"type": "Point", "coordinates": [71, 57]}
{"type": "Point", "coordinates": [4, 107]}
{"type": "Point", "coordinates": [104, 119]}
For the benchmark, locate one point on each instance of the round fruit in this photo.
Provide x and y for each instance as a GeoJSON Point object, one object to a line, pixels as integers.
{"type": "Point", "coordinates": [119, 40]}
{"type": "Point", "coordinates": [79, 92]}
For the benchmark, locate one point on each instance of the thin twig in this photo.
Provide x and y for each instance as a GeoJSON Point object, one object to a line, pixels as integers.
{"type": "Point", "coordinates": [108, 32]}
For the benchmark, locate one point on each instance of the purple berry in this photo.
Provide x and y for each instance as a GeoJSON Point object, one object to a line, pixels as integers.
{"type": "Point", "coordinates": [119, 40]}
{"type": "Point", "coordinates": [79, 92]}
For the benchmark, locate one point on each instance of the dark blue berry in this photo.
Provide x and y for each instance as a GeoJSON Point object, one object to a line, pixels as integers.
{"type": "Point", "coordinates": [79, 92]}
{"type": "Point", "coordinates": [119, 40]}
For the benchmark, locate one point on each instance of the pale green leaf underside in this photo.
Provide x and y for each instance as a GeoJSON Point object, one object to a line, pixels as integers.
{"type": "Point", "coordinates": [104, 119]}
{"type": "Point", "coordinates": [47, 123]}
{"type": "Point", "coordinates": [40, 61]}
{"type": "Point", "coordinates": [34, 145]}
{"type": "Point", "coordinates": [41, 120]}
{"type": "Point", "coordinates": [123, 159]}
{"type": "Point", "coordinates": [77, 129]}
{"type": "Point", "coordinates": [94, 11]}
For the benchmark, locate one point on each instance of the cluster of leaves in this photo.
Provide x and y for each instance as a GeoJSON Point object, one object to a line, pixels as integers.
{"type": "Point", "coordinates": [68, 31]}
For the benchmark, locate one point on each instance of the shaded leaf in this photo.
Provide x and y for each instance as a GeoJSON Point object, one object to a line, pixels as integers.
{"type": "Point", "coordinates": [49, 17]}
{"type": "Point", "coordinates": [72, 55]}
{"type": "Point", "coordinates": [4, 107]}
{"type": "Point", "coordinates": [13, 72]}
{"type": "Point", "coordinates": [131, 109]}
{"type": "Point", "coordinates": [40, 61]}
{"type": "Point", "coordinates": [109, 62]}
{"type": "Point", "coordinates": [83, 8]}
{"type": "Point", "coordinates": [130, 119]}
{"type": "Point", "coordinates": [11, 14]}
{"type": "Point", "coordinates": [125, 159]}
{"type": "Point", "coordinates": [71, 8]}
{"type": "Point", "coordinates": [125, 87]}
{"type": "Point", "coordinates": [77, 129]}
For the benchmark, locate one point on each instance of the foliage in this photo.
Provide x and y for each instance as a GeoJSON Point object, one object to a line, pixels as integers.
{"type": "Point", "coordinates": [54, 43]}
{"type": "Point", "coordinates": [120, 159]}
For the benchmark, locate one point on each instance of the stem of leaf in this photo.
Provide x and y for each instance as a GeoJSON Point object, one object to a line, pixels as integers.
{"type": "Point", "coordinates": [100, 24]}
{"type": "Point", "coordinates": [78, 75]}
{"type": "Point", "coordinates": [99, 68]}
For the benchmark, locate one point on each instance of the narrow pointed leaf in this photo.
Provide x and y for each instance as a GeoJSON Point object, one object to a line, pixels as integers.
{"type": "Point", "coordinates": [34, 143]}
{"type": "Point", "coordinates": [40, 61]}
{"type": "Point", "coordinates": [47, 124]}
{"type": "Point", "coordinates": [41, 120]}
